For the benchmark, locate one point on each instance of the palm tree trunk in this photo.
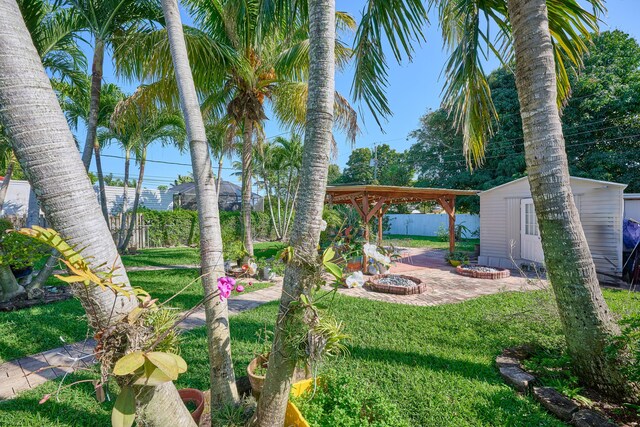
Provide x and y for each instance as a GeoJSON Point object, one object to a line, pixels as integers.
{"type": "Point", "coordinates": [293, 203]}
{"type": "Point", "coordinates": [94, 103]}
{"type": "Point", "coordinates": [5, 183]}
{"type": "Point", "coordinates": [299, 277]}
{"type": "Point", "coordinates": [219, 181]}
{"type": "Point", "coordinates": [45, 148]}
{"type": "Point", "coordinates": [44, 274]}
{"type": "Point", "coordinates": [587, 322]}
{"type": "Point", "coordinates": [268, 191]}
{"type": "Point", "coordinates": [125, 197]}
{"type": "Point", "coordinates": [247, 154]}
{"type": "Point", "coordinates": [136, 203]}
{"type": "Point", "coordinates": [101, 186]}
{"type": "Point", "coordinates": [223, 386]}
{"type": "Point", "coordinates": [9, 287]}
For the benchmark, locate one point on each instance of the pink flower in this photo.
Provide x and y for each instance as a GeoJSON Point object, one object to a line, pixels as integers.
{"type": "Point", "coordinates": [225, 286]}
{"type": "Point", "coordinates": [240, 288]}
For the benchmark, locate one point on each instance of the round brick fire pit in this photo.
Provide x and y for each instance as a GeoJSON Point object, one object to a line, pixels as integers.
{"type": "Point", "coordinates": [397, 284]}
{"type": "Point", "coordinates": [482, 272]}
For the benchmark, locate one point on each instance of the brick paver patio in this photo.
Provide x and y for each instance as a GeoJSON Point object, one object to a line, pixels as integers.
{"type": "Point", "coordinates": [444, 285]}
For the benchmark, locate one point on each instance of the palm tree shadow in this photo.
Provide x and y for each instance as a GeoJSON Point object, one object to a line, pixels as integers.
{"type": "Point", "coordinates": [463, 368]}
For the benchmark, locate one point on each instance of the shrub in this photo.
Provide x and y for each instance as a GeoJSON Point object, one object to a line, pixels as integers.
{"type": "Point", "coordinates": [180, 226]}
{"type": "Point", "coordinates": [18, 251]}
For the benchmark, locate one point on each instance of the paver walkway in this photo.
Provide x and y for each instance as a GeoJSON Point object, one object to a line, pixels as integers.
{"type": "Point", "coordinates": [444, 284]}
{"type": "Point", "coordinates": [31, 371]}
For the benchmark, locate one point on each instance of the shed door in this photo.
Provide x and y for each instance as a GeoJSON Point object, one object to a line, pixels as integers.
{"type": "Point", "coordinates": [530, 245]}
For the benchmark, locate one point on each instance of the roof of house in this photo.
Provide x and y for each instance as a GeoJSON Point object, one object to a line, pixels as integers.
{"type": "Point", "coordinates": [577, 178]}
{"type": "Point", "coordinates": [226, 189]}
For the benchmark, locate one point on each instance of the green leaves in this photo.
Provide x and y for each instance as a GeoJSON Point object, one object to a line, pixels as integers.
{"type": "Point", "coordinates": [129, 363]}
{"type": "Point", "coordinates": [401, 23]}
{"type": "Point", "coordinates": [152, 368]}
{"type": "Point", "coordinates": [124, 410]}
{"type": "Point", "coordinates": [334, 269]}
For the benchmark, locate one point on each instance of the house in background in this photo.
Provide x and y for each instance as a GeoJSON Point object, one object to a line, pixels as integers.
{"type": "Point", "coordinates": [509, 229]}
{"type": "Point", "coordinates": [229, 199]}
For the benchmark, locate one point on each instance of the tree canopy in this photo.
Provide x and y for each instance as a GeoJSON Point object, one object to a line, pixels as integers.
{"type": "Point", "coordinates": [600, 124]}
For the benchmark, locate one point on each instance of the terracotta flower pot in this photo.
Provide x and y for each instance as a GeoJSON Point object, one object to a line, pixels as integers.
{"type": "Point", "coordinates": [195, 396]}
{"type": "Point", "coordinates": [257, 381]}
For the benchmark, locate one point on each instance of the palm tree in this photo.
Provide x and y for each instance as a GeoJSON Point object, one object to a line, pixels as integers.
{"type": "Point", "coordinates": [547, 36]}
{"type": "Point", "coordinates": [223, 386]}
{"type": "Point", "coordinates": [53, 32]}
{"type": "Point", "coordinates": [222, 137]}
{"type": "Point", "coordinates": [306, 228]}
{"type": "Point", "coordinates": [107, 21]}
{"type": "Point", "coordinates": [75, 101]}
{"type": "Point", "coordinates": [245, 67]}
{"type": "Point", "coordinates": [7, 163]}
{"type": "Point", "coordinates": [142, 125]}
{"type": "Point", "coordinates": [46, 150]}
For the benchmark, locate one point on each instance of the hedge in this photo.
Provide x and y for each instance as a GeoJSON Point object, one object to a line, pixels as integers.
{"type": "Point", "coordinates": [180, 227]}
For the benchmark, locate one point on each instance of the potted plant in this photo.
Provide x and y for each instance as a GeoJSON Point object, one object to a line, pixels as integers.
{"type": "Point", "coordinates": [457, 258]}
{"type": "Point", "coordinates": [264, 269]}
{"type": "Point", "coordinates": [193, 398]}
{"type": "Point", "coordinates": [257, 369]}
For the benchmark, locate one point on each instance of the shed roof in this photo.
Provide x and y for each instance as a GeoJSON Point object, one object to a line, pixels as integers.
{"type": "Point", "coordinates": [577, 178]}
{"type": "Point", "coordinates": [343, 194]}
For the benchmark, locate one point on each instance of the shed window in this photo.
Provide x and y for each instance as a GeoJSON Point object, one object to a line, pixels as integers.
{"type": "Point", "coordinates": [530, 221]}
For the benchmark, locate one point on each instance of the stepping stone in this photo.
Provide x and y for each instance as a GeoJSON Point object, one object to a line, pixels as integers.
{"type": "Point", "coordinates": [555, 402]}
{"type": "Point", "coordinates": [588, 418]}
{"type": "Point", "coordinates": [504, 361]}
{"type": "Point", "coordinates": [518, 378]}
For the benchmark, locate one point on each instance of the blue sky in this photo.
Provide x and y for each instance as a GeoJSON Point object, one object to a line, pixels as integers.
{"type": "Point", "coordinates": [413, 89]}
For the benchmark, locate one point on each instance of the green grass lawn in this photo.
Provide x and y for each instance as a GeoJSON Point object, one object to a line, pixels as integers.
{"type": "Point", "coordinates": [435, 363]}
{"type": "Point", "coordinates": [433, 242]}
{"type": "Point", "coordinates": [47, 323]}
{"type": "Point", "coordinates": [188, 256]}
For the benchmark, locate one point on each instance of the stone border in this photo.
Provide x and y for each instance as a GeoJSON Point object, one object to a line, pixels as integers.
{"type": "Point", "coordinates": [373, 284]}
{"type": "Point", "coordinates": [555, 402]}
{"type": "Point", "coordinates": [493, 275]}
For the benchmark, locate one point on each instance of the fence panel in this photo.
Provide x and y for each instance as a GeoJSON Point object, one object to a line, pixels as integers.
{"type": "Point", "coordinates": [139, 237]}
{"type": "Point", "coordinates": [429, 224]}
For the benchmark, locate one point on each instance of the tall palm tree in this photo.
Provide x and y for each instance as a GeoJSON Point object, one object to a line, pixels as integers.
{"type": "Point", "coordinates": [7, 163]}
{"type": "Point", "coordinates": [46, 150]}
{"type": "Point", "coordinates": [223, 142]}
{"type": "Point", "coordinates": [223, 386]}
{"type": "Point", "coordinates": [75, 101]}
{"type": "Point", "coordinates": [548, 36]}
{"type": "Point", "coordinates": [143, 125]}
{"type": "Point", "coordinates": [246, 68]}
{"type": "Point", "coordinates": [107, 21]}
{"type": "Point", "coordinates": [306, 228]}
{"type": "Point", "coordinates": [53, 31]}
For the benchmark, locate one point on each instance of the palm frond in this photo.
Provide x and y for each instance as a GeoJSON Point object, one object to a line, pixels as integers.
{"type": "Point", "coordinates": [400, 22]}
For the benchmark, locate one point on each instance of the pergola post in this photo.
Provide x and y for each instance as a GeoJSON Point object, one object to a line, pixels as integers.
{"type": "Point", "coordinates": [448, 203]}
{"type": "Point", "coordinates": [380, 227]}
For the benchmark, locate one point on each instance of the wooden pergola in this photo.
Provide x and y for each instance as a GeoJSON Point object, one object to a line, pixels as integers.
{"type": "Point", "coordinates": [373, 201]}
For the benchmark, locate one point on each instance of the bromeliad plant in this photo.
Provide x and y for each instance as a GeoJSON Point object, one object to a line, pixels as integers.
{"type": "Point", "coordinates": [141, 350]}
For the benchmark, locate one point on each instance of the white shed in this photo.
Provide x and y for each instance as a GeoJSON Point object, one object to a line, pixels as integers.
{"type": "Point", "coordinates": [508, 226]}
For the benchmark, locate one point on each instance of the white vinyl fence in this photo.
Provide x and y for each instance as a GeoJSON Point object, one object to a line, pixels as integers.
{"type": "Point", "coordinates": [429, 224]}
